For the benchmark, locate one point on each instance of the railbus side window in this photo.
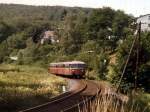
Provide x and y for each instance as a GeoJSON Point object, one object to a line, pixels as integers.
{"type": "Point", "coordinates": [73, 65]}
{"type": "Point", "coordinates": [61, 65]}
{"type": "Point", "coordinates": [55, 65]}
{"type": "Point", "coordinates": [81, 66]}
{"type": "Point", "coordinates": [69, 66]}
{"type": "Point", "coordinates": [66, 65]}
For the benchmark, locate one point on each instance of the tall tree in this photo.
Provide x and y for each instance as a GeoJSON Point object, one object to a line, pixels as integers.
{"type": "Point", "coordinates": [72, 33]}
{"type": "Point", "coordinates": [143, 78]}
{"type": "Point", "coordinates": [5, 31]}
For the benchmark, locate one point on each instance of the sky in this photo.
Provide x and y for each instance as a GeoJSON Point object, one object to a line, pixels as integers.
{"type": "Point", "coordinates": [134, 7]}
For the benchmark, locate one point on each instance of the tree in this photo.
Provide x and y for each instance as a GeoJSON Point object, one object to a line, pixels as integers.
{"type": "Point", "coordinates": [4, 51]}
{"type": "Point", "coordinates": [143, 78]}
{"type": "Point", "coordinates": [100, 20]}
{"type": "Point", "coordinates": [91, 47]}
{"type": "Point", "coordinates": [107, 26]}
{"type": "Point", "coordinates": [17, 41]}
{"type": "Point", "coordinates": [120, 26]}
{"type": "Point", "coordinates": [103, 66]}
{"type": "Point", "coordinates": [5, 31]}
{"type": "Point", "coordinates": [71, 34]}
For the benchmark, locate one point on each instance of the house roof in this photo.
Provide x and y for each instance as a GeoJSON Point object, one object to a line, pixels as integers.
{"type": "Point", "coordinates": [48, 34]}
{"type": "Point", "coordinates": [142, 16]}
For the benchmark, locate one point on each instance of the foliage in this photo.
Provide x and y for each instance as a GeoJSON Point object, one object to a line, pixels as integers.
{"type": "Point", "coordinates": [5, 31]}
{"type": "Point", "coordinates": [96, 64]}
{"type": "Point", "coordinates": [77, 29]}
{"type": "Point", "coordinates": [84, 34]}
{"type": "Point", "coordinates": [28, 87]}
{"type": "Point", "coordinates": [89, 35]}
{"type": "Point", "coordinates": [72, 33]}
{"type": "Point", "coordinates": [142, 80]}
{"type": "Point", "coordinates": [110, 103]}
{"type": "Point", "coordinates": [4, 51]}
{"type": "Point", "coordinates": [107, 26]}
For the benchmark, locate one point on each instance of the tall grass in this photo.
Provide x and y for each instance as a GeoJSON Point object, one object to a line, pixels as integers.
{"type": "Point", "coordinates": [109, 103]}
{"type": "Point", "coordinates": [29, 87]}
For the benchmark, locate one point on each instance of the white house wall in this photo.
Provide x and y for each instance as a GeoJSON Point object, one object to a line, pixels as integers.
{"type": "Point", "coordinates": [145, 20]}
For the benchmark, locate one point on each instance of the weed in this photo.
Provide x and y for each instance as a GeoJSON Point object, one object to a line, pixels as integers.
{"type": "Point", "coordinates": [29, 87]}
{"type": "Point", "coordinates": [109, 103]}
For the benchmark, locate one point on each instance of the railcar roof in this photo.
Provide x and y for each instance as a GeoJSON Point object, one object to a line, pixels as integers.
{"type": "Point", "coordinates": [69, 62]}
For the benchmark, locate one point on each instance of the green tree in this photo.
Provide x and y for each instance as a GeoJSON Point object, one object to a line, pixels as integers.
{"type": "Point", "coordinates": [90, 46]}
{"type": "Point", "coordinates": [143, 78]}
{"type": "Point", "coordinates": [107, 26]}
{"type": "Point", "coordinates": [5, 31]}
{"type": "Point", "coordinates": [103, 66]}
{"type": "Point", "coordinates": [100, 21]}
{"type": "Point", "coordinates": [71, 34]}
{"type": "Point", "coordinates": [17, 41]}
{"type": "Point", "coordinates": [4, 51]}
{"type": "Point", "coordinates": [120, 26]}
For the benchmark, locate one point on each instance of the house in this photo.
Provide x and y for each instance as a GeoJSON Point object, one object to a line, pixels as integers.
{"type": "Point", "coordinates": [49, 36]}
{"type": "Point", "coordinates": [145, 22]}
{"type": "Point", "coordinates": [14, 58]}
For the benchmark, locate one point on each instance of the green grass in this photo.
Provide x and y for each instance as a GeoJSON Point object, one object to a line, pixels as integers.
{"type": "Point", "coordinates": [28, 87]}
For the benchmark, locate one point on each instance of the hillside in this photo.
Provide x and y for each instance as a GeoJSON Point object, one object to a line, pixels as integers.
{"type": "Point", "coordinates": [102, 38]}
{"type": "Point", "coordinates": [38, 35]}
{"type": "Point", "coordinates": [38, 12]}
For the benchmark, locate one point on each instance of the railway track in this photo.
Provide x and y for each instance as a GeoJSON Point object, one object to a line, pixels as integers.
{"type": "Point", "coordinates": [91, 93]}
{"type": "Point", "coordinates": [83, 91]}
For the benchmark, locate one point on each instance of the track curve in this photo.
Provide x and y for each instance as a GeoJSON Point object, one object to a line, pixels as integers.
{"type": "Point", "coordinates": [80, 91]}
{"type": "Point", "coordinates": [91, 93]}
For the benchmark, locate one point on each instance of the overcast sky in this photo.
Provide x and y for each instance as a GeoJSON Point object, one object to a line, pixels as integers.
{"type": "Point", "coordinates": [134, 7]}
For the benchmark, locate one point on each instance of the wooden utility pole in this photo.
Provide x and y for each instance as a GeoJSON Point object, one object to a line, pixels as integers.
{"type": "Point", "coordinates": [136, 42]}
{"type": "Point", "coordinates": [137, 54]}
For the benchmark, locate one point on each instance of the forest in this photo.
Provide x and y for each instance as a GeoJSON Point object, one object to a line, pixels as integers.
{"type": "Point", "coordinates": [100, 37]}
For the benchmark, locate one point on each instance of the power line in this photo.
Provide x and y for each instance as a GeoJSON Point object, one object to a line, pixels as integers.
{"type": "Point", "coordinates": [137, 34]}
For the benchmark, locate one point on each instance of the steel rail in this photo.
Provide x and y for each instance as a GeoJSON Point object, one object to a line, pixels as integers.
{"type": "Point", "coordinates": [58, 98]}
{"type": "Point", "coordinates": [84, 100]}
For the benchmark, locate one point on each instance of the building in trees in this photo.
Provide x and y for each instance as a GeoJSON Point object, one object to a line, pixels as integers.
{"type": "Point", "coordinates": [49, 36]}
{"type": "Point", "coordinates": [145, 20]}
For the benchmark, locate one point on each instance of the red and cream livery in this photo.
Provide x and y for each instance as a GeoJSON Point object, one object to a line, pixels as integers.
{"type": "Point", "coordinates": [72, 68]}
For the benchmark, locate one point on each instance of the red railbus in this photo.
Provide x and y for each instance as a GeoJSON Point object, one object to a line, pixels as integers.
{"type": "Point", "coordinates": [71, 69]}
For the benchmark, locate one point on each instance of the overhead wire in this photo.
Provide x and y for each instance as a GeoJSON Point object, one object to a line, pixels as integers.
{"type": "Point", "coordinates": [128, 58]}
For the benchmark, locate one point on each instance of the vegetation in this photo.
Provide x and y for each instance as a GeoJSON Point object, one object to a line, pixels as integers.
{"type": "Point", "coordinates": [83, 33]}
{"type": "Point", "coordinates": [109, 103]}
{"type": "Point", "coordinates": [142, 81]}
{"type": "Point", "coordinates": [100, 37]}
{"type": "Point", "coordinates": [29, 87]}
